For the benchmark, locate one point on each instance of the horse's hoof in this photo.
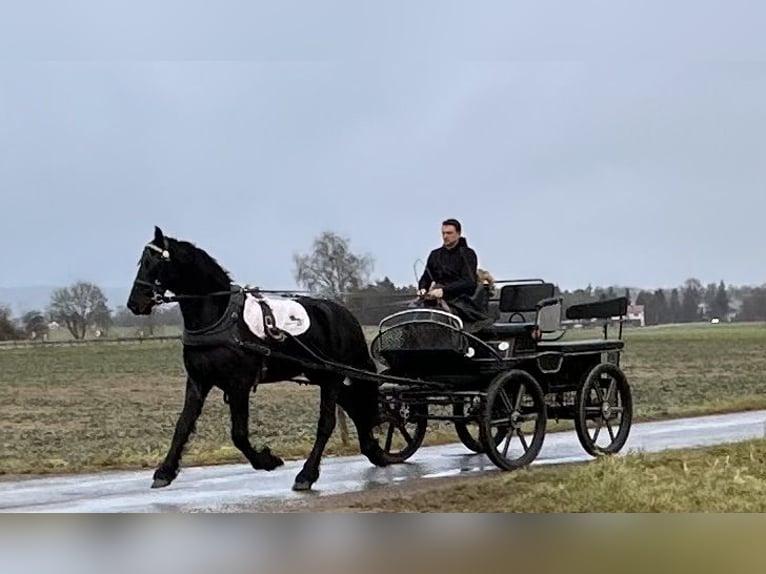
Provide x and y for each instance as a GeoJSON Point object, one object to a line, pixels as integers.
{"type": "Point", "coordinates": [160, 483]}
{"type": "Point", "coordinates": [272, 462]}
{"type": "Point", "coordinates": [301, 485]}
{"type": "Point", "coordinates": [267, 461]}
{"type": "Point", "coordinates": [268, 464]}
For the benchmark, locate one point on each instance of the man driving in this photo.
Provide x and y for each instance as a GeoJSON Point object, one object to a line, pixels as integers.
{"type": "Point", "coordinates": [451, 269]}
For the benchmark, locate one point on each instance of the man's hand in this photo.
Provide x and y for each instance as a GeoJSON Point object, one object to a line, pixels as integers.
{"type": "Point", "coordinates": [437, 293]}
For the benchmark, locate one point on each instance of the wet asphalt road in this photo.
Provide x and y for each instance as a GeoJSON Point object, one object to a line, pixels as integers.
{"type": "Point", "coordinates": [211, 488]}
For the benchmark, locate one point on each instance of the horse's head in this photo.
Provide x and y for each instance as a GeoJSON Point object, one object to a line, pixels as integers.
{"type": "Point", "coordinates": [169, 264]}
{"type": "Point", "coordinates": [156, 274]}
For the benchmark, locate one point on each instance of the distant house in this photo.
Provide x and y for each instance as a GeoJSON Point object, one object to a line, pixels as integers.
{"type": "Point", "coordinates": [635, 315]}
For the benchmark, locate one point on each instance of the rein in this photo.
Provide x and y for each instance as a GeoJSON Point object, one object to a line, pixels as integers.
{"type": "Point", "coordinates": [161, 298]}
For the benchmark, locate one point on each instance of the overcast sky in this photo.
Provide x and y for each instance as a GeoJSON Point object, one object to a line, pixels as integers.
{"type": "Point", "coordinates": [581, 142]}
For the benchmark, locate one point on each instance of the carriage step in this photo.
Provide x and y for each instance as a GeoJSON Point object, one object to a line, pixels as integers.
{"type": "Point", "coordinates": [594, 345]}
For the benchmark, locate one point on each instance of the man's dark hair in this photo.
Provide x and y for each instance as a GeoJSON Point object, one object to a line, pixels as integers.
{"type": "Point", "coordinates": [454, 222]}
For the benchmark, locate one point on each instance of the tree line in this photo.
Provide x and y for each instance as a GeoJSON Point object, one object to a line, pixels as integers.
{"type": "Point", "coordinates": [331, 269]}
{"type": "Point", "coordinates": [82, 310]}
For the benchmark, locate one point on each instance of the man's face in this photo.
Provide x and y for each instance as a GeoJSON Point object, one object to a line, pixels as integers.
{"type": "Point", "coordinates": [450, 236]}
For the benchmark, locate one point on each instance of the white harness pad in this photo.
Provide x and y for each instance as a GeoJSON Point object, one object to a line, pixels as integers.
{"type": "Point", "coordinates": [289, 316]}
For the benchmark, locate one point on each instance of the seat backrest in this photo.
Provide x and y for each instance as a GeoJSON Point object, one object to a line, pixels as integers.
{"type": "Point", "coordinates": [525, 297]}
{"type": "Point", "coordinates": [549, 318]}
{"type": "Point", "coordinates": [606, 309]}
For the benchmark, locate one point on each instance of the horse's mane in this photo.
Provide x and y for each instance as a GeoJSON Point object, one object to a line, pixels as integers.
{"type": "Point", "coordinates": [201, 259]}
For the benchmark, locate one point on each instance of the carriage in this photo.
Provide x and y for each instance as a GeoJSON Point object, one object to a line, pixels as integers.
{"type": "Point", "coordinates": [500, 386]}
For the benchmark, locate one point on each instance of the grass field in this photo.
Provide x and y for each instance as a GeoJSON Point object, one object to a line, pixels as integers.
{"type": "Point", "coordinates": [71, 409]}
{"type": "Point", "coordinates": [725, 478]}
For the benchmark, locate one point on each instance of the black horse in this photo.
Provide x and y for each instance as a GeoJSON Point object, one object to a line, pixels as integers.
{"type": "Point", "coordinates": [219, 351]}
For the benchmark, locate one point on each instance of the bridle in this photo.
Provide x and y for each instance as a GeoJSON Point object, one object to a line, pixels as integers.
{"type": "Point", "coordinates": [156, 256]}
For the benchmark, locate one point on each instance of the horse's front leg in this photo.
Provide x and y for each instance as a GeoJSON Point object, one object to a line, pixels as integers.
{"type": "Point", "coordinates": [309, 474]}
{"type": "Point", "coordinates": [239, 407]}
{"type": "Point", "coordinates": [195, 398]}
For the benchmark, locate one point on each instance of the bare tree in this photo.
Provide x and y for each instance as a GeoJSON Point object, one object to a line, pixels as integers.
{"type": "Point", "coordinates": [80, 306]}
{"type": "Point", "coordinates": [332, 270]}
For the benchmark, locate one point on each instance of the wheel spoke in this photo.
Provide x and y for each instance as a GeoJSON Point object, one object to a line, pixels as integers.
{"type": "Point", "coordinates": [599, 395]}
{"type": "Point", "coordinates": [404, 432]}
{"type": "Point", "coordinates": [506, 401]}
{"type": "Point", "coordinates": [610, 392]}
{"type": "Point", "coordinates": [507, 444]}
{"type": "Point", "coordinates": [522, 439]}
{"type": "Point", "coordinates": [609, 428]}
{"type": "Point", "coordinates": [519, 397]}
{"type": "Point", "coordinates": [389, 437]}
{"type": "Point", "coordinates": [498, 422]}
{"type": "Point", "coordinates": [598, 430]}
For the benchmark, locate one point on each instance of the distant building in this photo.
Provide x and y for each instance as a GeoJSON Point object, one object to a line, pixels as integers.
{"type": "Point", "coordinates": [635, 315]}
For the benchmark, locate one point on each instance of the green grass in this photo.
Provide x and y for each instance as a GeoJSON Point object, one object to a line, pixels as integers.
{"type": "Point", "coordinates": [725, 478]}
{"type": "Point", "coordinates": [72, 409]}
{"type": "Point", "coordinates": [698, 369]}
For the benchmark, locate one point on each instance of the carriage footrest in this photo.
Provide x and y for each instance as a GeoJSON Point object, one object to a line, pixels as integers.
{"type": "Point", "coordinates": [591, 345]}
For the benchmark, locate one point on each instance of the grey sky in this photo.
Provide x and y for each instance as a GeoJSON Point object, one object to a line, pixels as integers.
{"type": "Point", "coordinates": [589, 144]}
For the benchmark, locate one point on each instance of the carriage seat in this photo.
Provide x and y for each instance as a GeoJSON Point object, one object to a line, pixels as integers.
{"type": "Point", "coordinates": [603, 309]}
{"type": "Point", "coordinates": [517, 299]}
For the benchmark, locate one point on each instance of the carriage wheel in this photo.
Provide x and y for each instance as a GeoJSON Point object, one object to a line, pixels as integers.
{"type": "Point", "coordinates": [469, 432]}
{"type": "Point", "coordinates": [402, 427]}
{"type": "Point", "coordinates": [604, 410]}
{"type": "Point", "coordinates": [515, 404]}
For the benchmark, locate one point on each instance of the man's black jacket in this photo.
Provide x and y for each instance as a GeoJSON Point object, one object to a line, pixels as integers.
{"type": "Point", "coordinates": [454, 270]}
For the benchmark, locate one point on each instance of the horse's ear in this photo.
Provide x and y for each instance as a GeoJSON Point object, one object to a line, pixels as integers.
{"type": "Point", "coordinates": [159, 237]}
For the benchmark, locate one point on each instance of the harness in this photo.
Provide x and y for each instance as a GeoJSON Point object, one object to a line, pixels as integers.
{"type": "Point", "coordinates": [226, 330]}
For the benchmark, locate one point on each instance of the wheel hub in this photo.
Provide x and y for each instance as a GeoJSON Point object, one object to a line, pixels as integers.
{"type": "Point", "coordinates": [404, 412]}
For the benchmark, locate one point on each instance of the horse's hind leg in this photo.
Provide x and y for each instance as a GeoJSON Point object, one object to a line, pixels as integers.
{"type": "Point", "coordinates": [239, 407]}
{"type": "Point", "coordinates": [195, 398]}
{"type": "Point", "coordinates": [360, 401]}
{"type": "Point", "coordinates": [309, 474]}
